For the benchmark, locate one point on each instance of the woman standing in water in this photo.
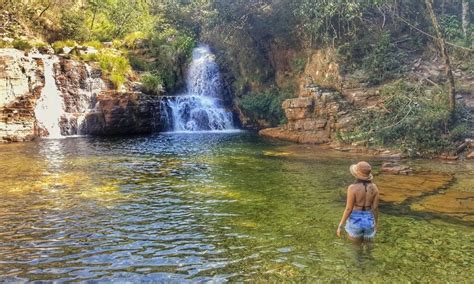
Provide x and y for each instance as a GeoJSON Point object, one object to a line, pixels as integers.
{"type": "Point", "coordinates": [362, 203]}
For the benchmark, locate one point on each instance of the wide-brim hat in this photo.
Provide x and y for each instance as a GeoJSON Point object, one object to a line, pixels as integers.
{"type": "Point", "coordinates": [362, 171]}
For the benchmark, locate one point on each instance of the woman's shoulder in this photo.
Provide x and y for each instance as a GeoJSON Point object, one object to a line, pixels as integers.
{"type": "Point", "coordinates": [375, 186]}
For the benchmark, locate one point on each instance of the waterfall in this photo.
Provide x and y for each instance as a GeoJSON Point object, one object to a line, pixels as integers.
{"type": "Point", "coordinates": [50, 107]}
{"type": "Point", "coordinates": [200, 107]}
{"type": "Point", "coordinates": [62, 109]}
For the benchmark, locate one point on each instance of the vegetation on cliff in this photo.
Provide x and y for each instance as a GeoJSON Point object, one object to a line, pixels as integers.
{"type": "Point", "coordinates": [264, 48]}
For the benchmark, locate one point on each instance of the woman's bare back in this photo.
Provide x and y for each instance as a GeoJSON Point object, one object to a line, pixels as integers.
{"type": "Point", "coordinates": [364, 200]}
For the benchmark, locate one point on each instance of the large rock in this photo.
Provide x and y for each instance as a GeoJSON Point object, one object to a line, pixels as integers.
{"type": "Point", "coordinates": [90, 106]}
{"type": "Point", "coordinates": [298, 108]}
{"type": "Point", "coordinates": [304, 137]}
{"type": "Point", "coordinates": [400, 188]}
{"type": "Point", "coordinates": [21, 81]}
{"type": "Point", "coordinates": [124, 113]}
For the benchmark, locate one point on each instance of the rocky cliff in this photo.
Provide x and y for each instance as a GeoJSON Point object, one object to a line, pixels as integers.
{"type": "Point", "coordinates": [21, 81]}
{"type": "Point", "coordinates": [89, 105]}
{"type": "Point", "coordinates": [328, 100]}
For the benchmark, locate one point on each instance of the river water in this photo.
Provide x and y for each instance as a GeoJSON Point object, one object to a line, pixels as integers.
{"type": "Point", "coordinates": [203, 207]}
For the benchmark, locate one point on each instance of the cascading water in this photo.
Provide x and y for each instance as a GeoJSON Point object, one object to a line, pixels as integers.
{"type": "Point", "coordinates": [200, 108]}
{"type": "Point", "coordinates": [62, 109]}
{"type": "Point", "coordinates": [50, 107]}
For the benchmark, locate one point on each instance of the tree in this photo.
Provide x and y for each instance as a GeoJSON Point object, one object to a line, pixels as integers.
{"type": "Point", "coordinates": [444, 54]}
{"type": "Point", "coordinates": [465, 18]}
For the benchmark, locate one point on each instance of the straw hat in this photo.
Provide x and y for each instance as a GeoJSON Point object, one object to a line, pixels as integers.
{"type": "Point", "coordinates": [362, 171]}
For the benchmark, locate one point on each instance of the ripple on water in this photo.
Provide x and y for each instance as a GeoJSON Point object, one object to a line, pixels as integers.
{"type": "Point", "coordinates": [201, 207]}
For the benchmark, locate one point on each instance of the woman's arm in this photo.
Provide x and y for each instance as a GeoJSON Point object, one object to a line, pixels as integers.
{"type": "Point", "coordinates": [375, 207]}
{"type": "Point", "coordinates": [347, 211]}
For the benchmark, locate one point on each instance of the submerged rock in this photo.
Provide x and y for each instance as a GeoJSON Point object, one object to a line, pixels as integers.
{"type": "Point", "coordinates": [455, 203]}
{"type": "Point", "coordinates": [395, 168]}
{"type": "Point", "coordinates": [398, 188]}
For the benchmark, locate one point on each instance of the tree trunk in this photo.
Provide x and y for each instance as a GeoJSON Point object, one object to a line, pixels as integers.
{"type": "Point", "coordinates": [45, 9]}
{"type": "Point", "coordinates": [465, 18]}
{"type": "Point", "coordinates": [444, 55]}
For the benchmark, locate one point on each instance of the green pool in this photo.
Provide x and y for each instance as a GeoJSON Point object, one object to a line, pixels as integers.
{"type": "Point", "coordinates": [204, 207]}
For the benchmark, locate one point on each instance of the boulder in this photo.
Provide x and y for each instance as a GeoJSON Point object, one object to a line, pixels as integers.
{"type": "Point", "coordinates": [124, 113]}
{"type": "Point", "coordinates": [395, 168]}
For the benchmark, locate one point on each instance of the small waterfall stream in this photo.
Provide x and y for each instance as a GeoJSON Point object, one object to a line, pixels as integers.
{"type": "Point", "coordinates": [200, 108]}
{"type": "Point", "coordinates": [62, 110]}
{"type": "Point", "coordinates": [50, 107]}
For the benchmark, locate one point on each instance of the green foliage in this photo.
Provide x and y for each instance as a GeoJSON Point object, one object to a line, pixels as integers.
{"type": "Point", "coordinates": [139, 63]}
{"type": "Point", "coordinates": [298, 64]}
{"type": "Point", "coordinates": [72, 26]}
{"type": "Point", "coordinates": [21, 44]}
{"type": "Point", "coordinates": [265, 106]}
{"type": "Point", "coordinates": [412, 117]}
{"type": "Point", "coordinates": [451, 27]}
{"type": "Point", "coordinates": [132, 39]}
{"type": "Point", "coordinates": [171, 49]}
{"type": "Point", "coordinates": [114, 65]}
{"type": "Point", "coordinates": [58, 45]}
{"type": "Point", "coordinates": [152, 83]}
{"type": "Point", "coordinates": [95, 44]}
{"type": "Point", "coordinates": [384, 61]}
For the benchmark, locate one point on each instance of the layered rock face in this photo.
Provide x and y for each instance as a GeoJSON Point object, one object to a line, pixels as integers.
{"type": "Point", "coordinates": [324, 104]}
{"type": "Point", "coordinates": [124, 113]}
{"type": "Point", "coordinates": [21, 81]}
{"type": "Point", "coordinates": [89, 105]}
{"type": "Point", "coordinates": [313, 118]}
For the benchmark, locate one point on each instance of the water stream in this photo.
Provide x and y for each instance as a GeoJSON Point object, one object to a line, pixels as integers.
{"type": "Point", "coordinates": [207, 207]}
{"type": "Point", "coordinates": [50, 107]}
{"type": "Point", "coordinates": [200, 107]}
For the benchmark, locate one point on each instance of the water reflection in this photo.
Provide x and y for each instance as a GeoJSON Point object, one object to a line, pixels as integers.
{"type": "Point", "coordinates": [51, 151]}
{"type": "Point", "coordinates": [201, 207]}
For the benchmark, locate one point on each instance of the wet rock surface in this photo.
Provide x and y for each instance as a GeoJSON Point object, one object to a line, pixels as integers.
{"type": "Point", "coordinates": [124, 113]}
{"type": "Point", "coordinates": [452, 202]}
{"type": "Point", "coordinates": [90, 105]}
{"type": "Point", "coordinates": [399, 188]}
{"type": "Point", "coordinates": [21, 81]}
{"type": "Point", "coordinates": [395, 168]}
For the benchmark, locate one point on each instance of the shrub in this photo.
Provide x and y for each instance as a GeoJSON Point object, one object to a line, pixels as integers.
{"type": "Point", "coordinates": [152, 83]}
{"type": "Point", "coordinates": [384, 61]}
{"type": "Point", "coordinates": [139, 63]}
{"type": "Point", "coordinates": [113, 64]}
{"type": "Point", "coordinates": [58, 45]}
{"type": "Point", "coordinates": [95, 44]}
{"type": "Point", "coordinates": [298, 64]}
{"type": "Point", "coordinates": [73, 26]}
{"type": "Point", "coordinates": [21, 44]}
{"type": "Point", "coordinates": [413, 117]}
{"type": "Point", "coordinates": [266, 105]}
{"type": "Point", "coordinates": [131, 40]}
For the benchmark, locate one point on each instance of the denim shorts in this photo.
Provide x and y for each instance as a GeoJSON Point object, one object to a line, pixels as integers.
{"type": "Point", "coordinates": [361, 224]}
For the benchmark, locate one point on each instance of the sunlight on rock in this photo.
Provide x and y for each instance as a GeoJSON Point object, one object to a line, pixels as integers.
{"type": "Point", "coordinates": [276, 154]}
{"type": "Point", "coordinates": [399, 188]}
{"type": "Point", "coordinates": [453, 202]}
